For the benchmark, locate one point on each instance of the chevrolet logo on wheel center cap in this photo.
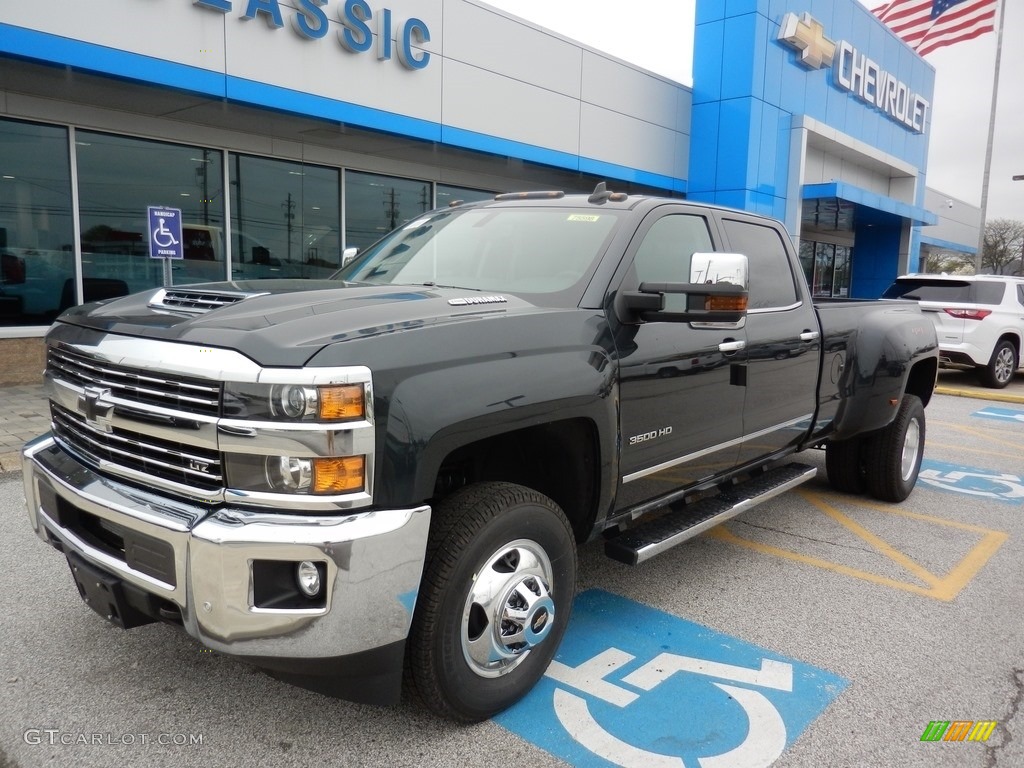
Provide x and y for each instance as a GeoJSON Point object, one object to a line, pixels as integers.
{"type": "Point", "coordinates": [806, 35]}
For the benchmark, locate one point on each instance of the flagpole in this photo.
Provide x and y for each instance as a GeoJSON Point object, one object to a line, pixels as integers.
{"type": "Point", "coordinates": [991, 136]}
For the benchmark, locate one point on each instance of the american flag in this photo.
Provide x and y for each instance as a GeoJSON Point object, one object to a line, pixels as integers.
{"type": "Point", "coordinates": [926, 25]}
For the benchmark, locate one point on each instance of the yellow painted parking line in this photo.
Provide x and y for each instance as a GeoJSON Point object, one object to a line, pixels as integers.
{"type": "Point", "coordinates": [944, 588]}
{"type": "Point", "coordinates": [978, 433]}
{"type": "Point", "coordinates": [875, 541]}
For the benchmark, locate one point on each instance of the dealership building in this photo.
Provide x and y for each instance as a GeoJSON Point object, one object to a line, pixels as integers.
{"type": "Point", "coordinates": [287, 130]}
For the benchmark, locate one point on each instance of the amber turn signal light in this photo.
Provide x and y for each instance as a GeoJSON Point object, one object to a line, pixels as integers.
{"type": "Point", "coordinates": [339, 474]}
{"type": "Point", "coordinates": [342, 403]}
{"type": "Point", "coordinates": [727, 303]}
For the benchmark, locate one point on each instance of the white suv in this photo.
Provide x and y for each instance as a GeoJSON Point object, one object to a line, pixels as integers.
{"type": "Point", "coordinates": [979, 319]}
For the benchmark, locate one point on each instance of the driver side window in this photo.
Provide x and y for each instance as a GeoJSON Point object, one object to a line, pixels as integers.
{"type": "Point", "coordinates": [665, 253]}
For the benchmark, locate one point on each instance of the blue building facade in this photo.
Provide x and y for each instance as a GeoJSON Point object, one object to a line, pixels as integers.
{"type": "Point", "coordinates": [814, 112]}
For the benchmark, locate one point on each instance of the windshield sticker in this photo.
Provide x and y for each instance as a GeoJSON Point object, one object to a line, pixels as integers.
{"type": "Point", "coordinates": [583, 217]}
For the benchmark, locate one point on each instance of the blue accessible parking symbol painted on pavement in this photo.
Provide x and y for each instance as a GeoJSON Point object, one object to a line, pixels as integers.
{"type": "Point", "coordinates": [1002, 414]}
{"type": "Point", "coordinates": [633, 686]}
{"type": "Point", "coordinates": [971, 481]}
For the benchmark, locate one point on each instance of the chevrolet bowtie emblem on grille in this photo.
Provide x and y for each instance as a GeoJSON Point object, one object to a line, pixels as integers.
{"type": "Point", "coordinates": [95, 405]}
{"type": "Point", "coordinates": [806, 35]}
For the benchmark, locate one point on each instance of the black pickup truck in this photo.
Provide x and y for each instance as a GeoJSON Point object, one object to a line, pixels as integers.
{"type": "Point", "coordinates": [392, 469]}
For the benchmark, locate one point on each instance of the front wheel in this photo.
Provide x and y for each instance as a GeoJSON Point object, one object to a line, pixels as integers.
{"type": "Point", "coordinates": [1001, 366]}
{"type": "Point", "coordinates": [892, 456]}
{"type": "Point", "coordinates": [494, 601]}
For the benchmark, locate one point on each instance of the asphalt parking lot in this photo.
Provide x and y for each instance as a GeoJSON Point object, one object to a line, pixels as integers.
{"type": "Point", "coordinates": [819, 629]}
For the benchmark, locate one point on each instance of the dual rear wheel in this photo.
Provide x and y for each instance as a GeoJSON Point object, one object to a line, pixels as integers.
{"type": "Point", "coordinates": [885, 463]}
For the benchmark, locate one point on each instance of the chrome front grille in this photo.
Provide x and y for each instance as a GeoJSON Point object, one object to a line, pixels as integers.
{"type": "Point", "coordinates": [179, 393]}
{"type": "Point", "coordinates": [187, 465]}
{"type": "Point", "coordinates": [150, 413]}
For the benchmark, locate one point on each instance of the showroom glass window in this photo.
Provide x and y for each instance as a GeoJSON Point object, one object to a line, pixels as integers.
{"type": "Point", "coordinates": [118, 179]}
{"type": "Point", "coordinates": [285, 219]}
{"type": "Point", "coordinates": [447, 194]}
{"type": "Point", "coordinates": [827, 267]}
{"type": "Point", "coordinates": [37, 261]}
{"type": "Point", "coordinates": [375, 205]}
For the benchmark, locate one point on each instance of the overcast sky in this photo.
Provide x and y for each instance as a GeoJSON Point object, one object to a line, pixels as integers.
{"type": "Point", "coordinates": [658, 35]}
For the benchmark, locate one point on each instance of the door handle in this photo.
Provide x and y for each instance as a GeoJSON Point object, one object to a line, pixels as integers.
{"type": "Point", "coordinates": [731, 346]}
{"type": "Point", "coordinates": [809, 336]}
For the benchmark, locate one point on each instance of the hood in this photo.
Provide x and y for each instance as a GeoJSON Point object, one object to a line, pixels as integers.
{"type": "Point", "coordinates": [286, 322]}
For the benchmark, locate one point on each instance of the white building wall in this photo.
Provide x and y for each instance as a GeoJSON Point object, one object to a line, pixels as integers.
{"type": "Point", "coordinates": [959, 222]}
{"type": "Point", "coordinates": [493, 82]}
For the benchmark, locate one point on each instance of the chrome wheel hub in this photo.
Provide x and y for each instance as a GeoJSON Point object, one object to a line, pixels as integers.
{"type": "Point", "coordinates": [911, 449]}
{"type": "Point", "coordinates": [509, 609]}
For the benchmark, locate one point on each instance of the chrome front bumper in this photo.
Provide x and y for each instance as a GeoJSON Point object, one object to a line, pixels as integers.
{"type": "Point", "coordinates": [373, 561]}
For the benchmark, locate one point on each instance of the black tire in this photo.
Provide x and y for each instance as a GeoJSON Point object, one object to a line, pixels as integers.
{"type": "Point", "coordinates": [490, 539]}
{"type": "Point", "coordinates": [892, 456]}
{"type": "Point", "coordinates": [844, 463]}
{"type": "Point", "coordinates": [1001, 366]}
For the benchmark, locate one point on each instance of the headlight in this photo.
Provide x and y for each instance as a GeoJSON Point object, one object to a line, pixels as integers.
{"type": "Point", "coordinates": [296, 402]}
{"type": "Point", "coordinates": [319, 476]}
{"type": "Point", "coordinates": [285, 473]}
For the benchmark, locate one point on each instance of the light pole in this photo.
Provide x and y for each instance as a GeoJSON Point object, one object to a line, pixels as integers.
{"type": "Point", "coordinates": [1020, 177]}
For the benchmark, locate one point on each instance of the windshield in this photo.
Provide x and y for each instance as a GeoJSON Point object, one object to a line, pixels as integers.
{"type": "Point", "coordinates": [543, 253]}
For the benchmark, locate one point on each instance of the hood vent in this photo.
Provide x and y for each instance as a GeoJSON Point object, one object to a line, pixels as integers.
{"type": "Point", "coordinates": [197, 301]}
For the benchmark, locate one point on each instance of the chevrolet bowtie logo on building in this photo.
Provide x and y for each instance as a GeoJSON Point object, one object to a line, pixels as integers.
{"type": "Point", "coordinates": [853, 71]}
{"type": "Point", "coordinates": [806, 35]}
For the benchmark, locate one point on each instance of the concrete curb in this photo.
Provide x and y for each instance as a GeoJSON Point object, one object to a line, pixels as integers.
{"type": "Point", "coordinates": [1003, 397]}
{"type": "Point", "coordinates": [10, 462]}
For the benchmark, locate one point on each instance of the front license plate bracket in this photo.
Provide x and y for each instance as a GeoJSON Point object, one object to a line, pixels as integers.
{"type": "Point", "coordinates": [105, 594]}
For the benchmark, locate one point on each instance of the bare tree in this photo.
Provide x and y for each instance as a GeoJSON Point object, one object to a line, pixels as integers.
{"type": "Point", "coordinates": [1004, 246]}
{"type": "Point", "coordinates": [949, 262]}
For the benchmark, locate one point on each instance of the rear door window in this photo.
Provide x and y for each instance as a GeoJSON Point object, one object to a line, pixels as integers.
{"type": "Point", "coordinates": [771, 277]}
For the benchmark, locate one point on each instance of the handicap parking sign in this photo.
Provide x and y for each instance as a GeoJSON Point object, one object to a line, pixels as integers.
{"type": "Point", "coordinates": [165, 233]}
{"type": "Point", "coordinates": [633, 686]}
